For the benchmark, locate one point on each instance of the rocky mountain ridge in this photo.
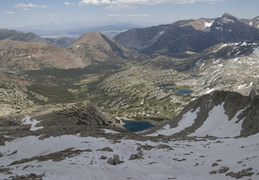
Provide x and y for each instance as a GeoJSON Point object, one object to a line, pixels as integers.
{"type": "Point", "coordinates": [187, 35]}
{"type": "Point", "coordinates": [252, 22]}
{"type": "Point", "coordinates": [220, 114]}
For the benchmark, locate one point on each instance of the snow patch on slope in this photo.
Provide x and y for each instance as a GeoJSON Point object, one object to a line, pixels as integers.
{"type": "Point", "coordinates": [217, 124]}
{"type": "Point", "coordinates": [186, 121]}
{"type": "Point", "coordinates": [256, 51]}
{"type": "Point", "coordinates": [32, 122]}
{"type": "Point", "coordinates": [208, 24]}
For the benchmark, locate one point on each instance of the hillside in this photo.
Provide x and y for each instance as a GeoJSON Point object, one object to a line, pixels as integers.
{"type": "Point", "coordinates": [14, 95]}
{"type": "Point", "coordinates": [187, 35]}
{"type": "Point", "coordinates": [95, 47]}
{"type": "Point", "coordinates": [231, 67]}
{"type": "Point", "coordinates": [21, 56]}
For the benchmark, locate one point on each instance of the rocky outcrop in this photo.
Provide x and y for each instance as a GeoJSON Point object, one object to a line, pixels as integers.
{"type": "Point", "coordinates": [136, 156]}
{"type": "Point", "coordinates": [115, 160]}
{"type": "Point", "coordinates": [84, 113]}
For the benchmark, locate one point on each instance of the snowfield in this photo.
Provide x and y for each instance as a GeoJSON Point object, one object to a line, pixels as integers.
{"type": "Point", "coordinates": [184, 160]}
{"type": "Point", "coordinates": [217, 124]}
{"type": "Point", "coordinates": [187, 121]}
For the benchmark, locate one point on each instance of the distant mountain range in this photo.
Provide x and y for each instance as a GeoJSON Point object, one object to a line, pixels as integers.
{"type": "Point", "coordinates": [31, 37]}
{"type": "Point", "coordinates": [77, 29]}
{"type": "Point", "coordinates": [189, 35]}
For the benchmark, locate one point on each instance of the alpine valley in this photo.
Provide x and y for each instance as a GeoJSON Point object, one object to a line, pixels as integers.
{"type": "Point", "coordinates": [65, 103]}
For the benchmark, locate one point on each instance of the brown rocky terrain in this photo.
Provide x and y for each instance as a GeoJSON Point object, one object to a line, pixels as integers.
{"type": "Point", "coordinates": [14, 95]}
{"type": "Point", "coordinates": [55, 120]}
{"type": "Point", "coordinates": [22, 56]}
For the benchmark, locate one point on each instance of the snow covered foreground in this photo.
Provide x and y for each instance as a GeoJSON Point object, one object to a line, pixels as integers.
{"type": "Point", "coordinates": [175, 159]}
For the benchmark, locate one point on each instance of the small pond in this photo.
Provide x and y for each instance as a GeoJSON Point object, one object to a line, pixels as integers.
{"type": "Point", "coordinates": [195, 75]}
{"type": "Point", "coordinates": [6, 72]}
{"type": "Point", "coordinates": [182, 92]}
{"type": "Point", "coordinates": [136, 125]}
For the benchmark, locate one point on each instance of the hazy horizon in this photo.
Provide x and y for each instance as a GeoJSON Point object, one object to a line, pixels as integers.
{"type": "Point", "coordinates": [26, 13]}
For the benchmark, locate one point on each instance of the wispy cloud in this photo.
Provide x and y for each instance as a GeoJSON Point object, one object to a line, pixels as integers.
{"type": "Point", "coordinates": [30, 5]}
{"type": "Point", "coordinates": [9, 12]}
{"type": "Point", "coordinates": [55, 15]}
{"type": "Point", "coordinates": [70, 4]}
{"type": "Point", "coordinates": [129, 4]}
{"type": "Point", "coordinates": [120, 6]}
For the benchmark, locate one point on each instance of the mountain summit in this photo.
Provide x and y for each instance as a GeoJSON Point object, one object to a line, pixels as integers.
{"type": "Point", "coordinates": [95, 47]}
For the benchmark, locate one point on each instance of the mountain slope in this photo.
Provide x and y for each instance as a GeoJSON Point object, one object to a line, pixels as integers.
{"type": "Point", "coordinates": [189, 35]}
{"type": "Point", "coordinates": [20, 56]}
{"type": "Point", "coordinates": [94, 47]}
{"type": "Point", "coordinates": [252, 22]}
{"type": "Point", "coordinates": [230, 67]}
{"type": "Point", "coordinates": [13, 95]}
{"type": "Point", "coordinates": [19, 36]}
{"type": "Point", "coordinates": [221, 114]}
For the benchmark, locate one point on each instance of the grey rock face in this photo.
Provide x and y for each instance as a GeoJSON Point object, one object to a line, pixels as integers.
{"type": "Point", "coordinates": [254, 92]}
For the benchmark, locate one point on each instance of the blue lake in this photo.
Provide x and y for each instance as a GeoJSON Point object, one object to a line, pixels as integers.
{"type": "Point", "coordinates": [136, 125]}
{"type": "Point", "coordinates": [182, 92]}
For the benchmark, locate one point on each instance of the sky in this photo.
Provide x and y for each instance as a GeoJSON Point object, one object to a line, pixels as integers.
{"type": "Point", "coordinates": [22, 13]}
